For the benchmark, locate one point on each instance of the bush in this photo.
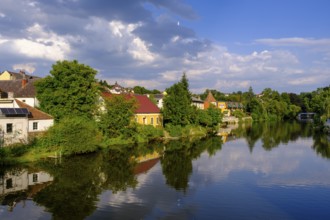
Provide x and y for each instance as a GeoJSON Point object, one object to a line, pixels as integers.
{"type": "Point", "coordinates": [74, 135]}
{"type": "Point", "coordinates": [238, 113]}
{"type": "Point", "coordinates": [149, 132]}
{"type": "Point", "coordinates": [174, 130]}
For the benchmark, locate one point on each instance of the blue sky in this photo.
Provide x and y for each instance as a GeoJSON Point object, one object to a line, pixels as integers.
{"type": "Point", "coordinates": [227, 45]}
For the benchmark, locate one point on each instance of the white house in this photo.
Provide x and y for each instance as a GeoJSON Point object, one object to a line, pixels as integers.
{"type": "Point", "coordinates": [13, 126]}
{"type": "Point", "coordinates": [39, 121]}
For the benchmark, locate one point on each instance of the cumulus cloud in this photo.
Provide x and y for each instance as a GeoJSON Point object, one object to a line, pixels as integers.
{"type": "Point", "coordinates": [140, 42]}
{"type": "Point", "coordinates": [38, 43]}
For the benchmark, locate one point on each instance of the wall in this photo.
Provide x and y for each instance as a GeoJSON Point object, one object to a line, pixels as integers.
{"type": "Point", "coordinates": [43, 125]}
{"type": "Point", "coordinates": [147, 119]}
{"type": "Point", "coordinates": [20, 129]}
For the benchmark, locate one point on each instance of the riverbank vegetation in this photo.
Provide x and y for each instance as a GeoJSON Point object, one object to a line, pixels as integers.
{"type": "Point", "coordinates": [85, 121]}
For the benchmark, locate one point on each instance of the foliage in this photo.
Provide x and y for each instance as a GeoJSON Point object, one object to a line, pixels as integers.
{"type": "Point", "coordinates": [177, 108]}
{"type": "Point", "coordinates": [146, 133]}
{"type": "Point", "coordinates": [116, 119]}
{"type": "Point", "coordinates": [142, 90]}
{"type": "Point", "coordinates": [70, 89]}
{"type": "Point", "coordinates": [173, 130]}
{"type": "Point", "coordinates": [73, 135]}
{"type": "Point", "coordinates": [238, 114]}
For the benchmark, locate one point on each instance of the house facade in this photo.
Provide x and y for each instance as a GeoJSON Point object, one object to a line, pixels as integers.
{"type": "Point", "coordinates": [146, 113]}
{"type": "Point", "coordinates": [13, 126]}
{"type": "Point", "coordinates": [38, 121]}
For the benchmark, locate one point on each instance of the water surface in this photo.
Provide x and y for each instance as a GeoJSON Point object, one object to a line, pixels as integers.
{"type": "Point", "coordinates": [263, 171]}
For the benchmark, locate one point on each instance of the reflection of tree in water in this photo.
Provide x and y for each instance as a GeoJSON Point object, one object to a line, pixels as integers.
{"type": "Point", "coordinates": [322, 145]}
{"type": "Point", "coordinates": [79, 180]}
{"type": "Point", "coordinates": [273, 134]}
{"type": "Point", "coordinates": [177, 159]}
{"type": "Point", "coordinates": [177, 165]}
{"type": "Point", "coordinates": [117, 169]}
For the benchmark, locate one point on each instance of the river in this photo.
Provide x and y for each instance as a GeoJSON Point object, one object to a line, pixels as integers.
{"type": "Point", "coordinates": [258, 171]}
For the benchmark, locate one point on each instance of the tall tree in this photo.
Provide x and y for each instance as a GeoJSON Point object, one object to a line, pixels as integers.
{"type": "Point", "coordinates": [177, 108]}
{"type": "Point", "coordinates": [70, 89]}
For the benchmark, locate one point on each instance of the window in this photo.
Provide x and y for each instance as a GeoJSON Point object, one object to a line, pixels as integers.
{"type": "Point", "coordinates": [9, 183]}
{"type": "Point", "coordinates": [152, 121]}
{"type": "Point", "coordinates": [9, 128]}
{"type": "Point", "coordinates": [35, 126]}
{"type": "Point", "coordinates": [35, 177]}
{"type": "Point", "coordinates": [157, 121]}
{"type": "Point", "coordinates": [144, 120]}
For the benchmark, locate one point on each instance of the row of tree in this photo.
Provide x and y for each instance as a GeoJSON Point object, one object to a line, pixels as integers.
{"type": "Point", "coordinates": [272, 105]}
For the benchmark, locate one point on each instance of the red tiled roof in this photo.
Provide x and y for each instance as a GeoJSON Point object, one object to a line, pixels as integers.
{"type": "Point", "coordinates": [34, 113]}
{"type": "Point", "coordinates": [210, 98]}
{"type": "Point", "coordinates": [144, 104]}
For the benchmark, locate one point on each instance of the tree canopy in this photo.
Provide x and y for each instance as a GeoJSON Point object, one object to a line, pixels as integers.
{"type": "Point", "coordinates": [70, 89]}
{"type": "Point", "coordinates": [177, 103]}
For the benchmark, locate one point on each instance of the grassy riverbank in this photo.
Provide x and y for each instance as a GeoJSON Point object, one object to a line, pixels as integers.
{"type": "Point", "coordinates": [45, 147]}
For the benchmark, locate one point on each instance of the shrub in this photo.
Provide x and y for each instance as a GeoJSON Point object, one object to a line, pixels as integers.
{"type": "Point", "coordinates": [149, 132]}
{"type": "Point", "coordinates": [174, 130]}
{"type": "Point", "coordinates": [74, 135]}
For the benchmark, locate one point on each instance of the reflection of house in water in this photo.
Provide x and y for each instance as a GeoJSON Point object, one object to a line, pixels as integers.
{"type": "Point", "coordinates": [145, 163]}
{"type": "Point", "coordinates": [20, 185]}
{"type": "Point", "coordinates": [226, 134]}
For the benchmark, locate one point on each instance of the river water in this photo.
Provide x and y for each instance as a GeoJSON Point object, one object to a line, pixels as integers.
{"type": "Point", "coordinates": [259, 171]}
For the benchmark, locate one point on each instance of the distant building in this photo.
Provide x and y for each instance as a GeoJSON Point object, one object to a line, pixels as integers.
{"type": "Point", "coordinates": [197, 102]}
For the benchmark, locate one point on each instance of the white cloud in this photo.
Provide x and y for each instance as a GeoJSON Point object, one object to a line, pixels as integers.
{"type": "Point", "coordinates": [29, 67]}
{"type": "Point", "coordinates": [2, 15]}
{"type": "Point", "coordinates": [38, 44]}
{"type": "Point", "coordinates": [119, 37]}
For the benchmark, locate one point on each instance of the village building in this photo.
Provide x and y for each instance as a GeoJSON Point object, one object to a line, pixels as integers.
{"type": "Point", "coordinates": [146, 112]}
{"type": "Point", "coordinates": [21, 88]}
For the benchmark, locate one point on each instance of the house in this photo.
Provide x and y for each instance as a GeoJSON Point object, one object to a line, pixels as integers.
{"type": "Point", "coordinates": [197, 102]}
{"type": "Point", "coordinates": [19, 122]}
{"type": "Point", "coordinates": [8, 75]}
{"type": "Point", "coordinates": [118, 89]}
{"type": "Point", "coordinates": [159, 100]}
{"type": "Point", "coordinates": [210, 100]}
{"type": "Point", "coordinates": [146, 113]}
{"type": "Point", "coordinates": [22, 89]}
{"type": "Point", "coordinates": [13, 126]}
{"type": "Point", "coordinates": [39, 121]}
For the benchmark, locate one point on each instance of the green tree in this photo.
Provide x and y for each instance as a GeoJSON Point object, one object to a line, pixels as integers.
{"type": "Point", "coordinates": [117, 117]}
{"type": "Point", "coordinates": [177, 108]}
{"type": "Point", "coordinates": [70, 89]}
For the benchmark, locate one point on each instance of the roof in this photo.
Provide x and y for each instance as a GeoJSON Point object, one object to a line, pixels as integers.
{"type": "Point", "coordinates": [144, 104]}
{"type": "Point", "coordinates": [20, 75]}
{"type": "Point", "coordinates": [35, 114]}
{"type": "Point", "coordinates": [194, 99]}
{"type": "Point", "coordinates": [210, 98]}
{"type": "Point", "coordinates": [15, 86]}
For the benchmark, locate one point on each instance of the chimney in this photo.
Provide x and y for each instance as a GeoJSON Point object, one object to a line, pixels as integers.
{"type": "Point", "coordinates": [24, 80]}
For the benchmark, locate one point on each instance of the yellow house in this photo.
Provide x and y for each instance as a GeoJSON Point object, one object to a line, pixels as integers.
{"type": "Point", "coordinates": [7, 75]}
{"type": "Point", "coordinates": [146, 113]}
